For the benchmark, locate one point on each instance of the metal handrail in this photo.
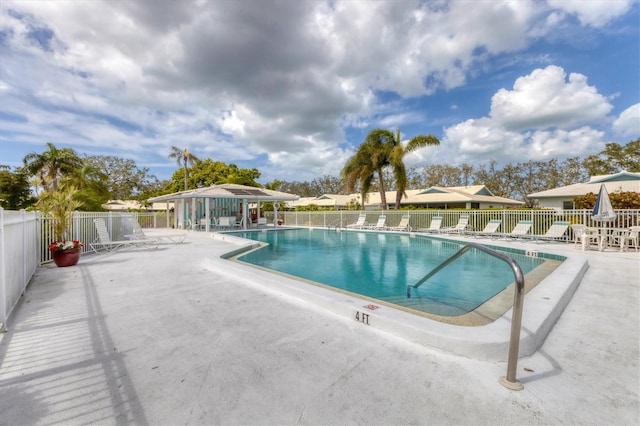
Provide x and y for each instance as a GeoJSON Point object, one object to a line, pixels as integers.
{"type": "Point", "coordinates": [509, 381]}
{"type": "Point", "coordinates": [335, 224]}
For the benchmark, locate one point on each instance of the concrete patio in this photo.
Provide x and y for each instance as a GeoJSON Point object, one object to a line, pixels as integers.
{"type": "Point", "coordinates": [171, 336]}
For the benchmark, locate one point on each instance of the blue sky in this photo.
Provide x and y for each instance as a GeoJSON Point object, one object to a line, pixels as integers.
{"type": "Point", "coordinates": [293, 87]}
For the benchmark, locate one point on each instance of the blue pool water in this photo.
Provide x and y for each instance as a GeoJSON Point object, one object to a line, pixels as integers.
{"type": "Point", "coordinates": [381, 265]}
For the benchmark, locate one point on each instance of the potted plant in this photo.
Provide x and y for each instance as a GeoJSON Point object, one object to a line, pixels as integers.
{"type": "Point", "coordinates": [66, 253]}
{"type": "Point", "coordinates": [60, 205]}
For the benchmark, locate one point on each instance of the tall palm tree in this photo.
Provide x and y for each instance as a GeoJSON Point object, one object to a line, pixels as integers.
{"type": "Point", "coordinates": [368, 162]}
{"type": "Point", "coordinates": [184, 158]}
{"type": "Point", "coordinates": [398, 152]}
{"type": "Point", "coordinates": [51, 165]}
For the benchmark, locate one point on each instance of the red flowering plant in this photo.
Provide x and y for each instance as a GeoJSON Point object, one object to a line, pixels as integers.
{"type": "Point", "coordinates": [62, 246]}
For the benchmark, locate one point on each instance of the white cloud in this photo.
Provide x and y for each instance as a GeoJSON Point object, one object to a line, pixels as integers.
{"type": "Point", "coordinates": [537, 120]}
{"type": "Point", "coordinates": [239, 81]}
{"type": "Point", "coordinates": [628, 123]}
{"type": "Point", "coordinates": [596, 13]}
{"type": "Point", "coordinates": [545, 99]}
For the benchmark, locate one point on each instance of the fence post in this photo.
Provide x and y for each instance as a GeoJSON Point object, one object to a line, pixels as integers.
{"type": "Point", "coordinates": [23, 224]}
{"type": "Point", "coordinates": [3, 278]}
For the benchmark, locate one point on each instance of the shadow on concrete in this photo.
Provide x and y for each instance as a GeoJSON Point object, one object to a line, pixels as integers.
{"type": "Point", "coordinates": [59, 364]}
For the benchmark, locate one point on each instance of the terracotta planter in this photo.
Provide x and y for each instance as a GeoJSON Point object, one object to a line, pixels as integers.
{"type": "Point", "coordinates": [67, 258]}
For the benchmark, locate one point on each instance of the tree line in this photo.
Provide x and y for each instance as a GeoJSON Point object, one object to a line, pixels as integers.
{"type": "Point", "coordinates": [513, 180]}
{"type": "Point", "coordinates": [377, 164]}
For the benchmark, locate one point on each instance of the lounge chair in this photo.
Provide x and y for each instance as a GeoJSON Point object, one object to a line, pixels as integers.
{"type": "Point", "coordinates": [436, 224]}
{"type": "Point", "coordinates": [139, 234]}
{"type": "Point", "coordinates": [521, 229]}
{"type": "Point", "coordinates": [403, 225]}
{"type": "Point", "coordinates": [381, 225]}
{"type": "Point", "coordinates": [555, 232]}
{"type": "Point", "coordinates": [262, 222]}
{"type": "Point", "coordinates": [360, 223]}
{"type": "Point", "coordinates": [490, 229]}
{"type": "Point", "coordinates": [103, 240]}
{"type": "Point", "coordinates": [462, 224]}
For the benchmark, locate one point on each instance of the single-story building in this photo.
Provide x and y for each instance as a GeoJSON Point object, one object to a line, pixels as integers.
{"type": "Point", "coordinates": [129, 205]}
{"type": "Point", "coordinates": [200, 208]}
{"type": "Point", "coordinates": [562, 198]}
{"type": "Point", "coordinates": [436, 197]}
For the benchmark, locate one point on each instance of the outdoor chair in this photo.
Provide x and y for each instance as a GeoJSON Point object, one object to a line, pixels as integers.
{"type": "Point", "coordinates": [403, 225]}
{"type": "Point", "coordinates": [262, 222]}
{"type": "Point", "coordinates": [462, 224]}
{"type": "Point", "coordinates": [360, 223]}
{"type": "Point", "coordinates": [139, 234]}
{"type": "Point", "coordinates": [632, 238]}
{"type": "Point", "coordinates": [381, 224]}
{"type": "Point", "coordinates": [436, 224]}
{"type": "Point", "coordinates": [103, 240]}
{"type": "Point", "coordinates": [491, 229]}
{"type": "Point", "coordinates": [555, 232]}
{"type": "Point", "coordinates": [225, 223]}
{"type": "Point", "coordinates": [521, 229]}
{"type": "Point", "coordinates": [585, 236]}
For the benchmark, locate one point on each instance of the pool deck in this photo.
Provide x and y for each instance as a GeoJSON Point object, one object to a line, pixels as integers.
{"type": "Point", "coordinates": [175, 336]}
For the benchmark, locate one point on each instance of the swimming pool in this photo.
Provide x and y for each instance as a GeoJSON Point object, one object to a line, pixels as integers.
{"type": "Point", "coordinates": [381, 265]}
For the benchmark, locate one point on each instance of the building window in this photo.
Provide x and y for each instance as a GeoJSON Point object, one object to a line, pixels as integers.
{"type": "Point", "coordinates": [568, 205]}
{"type": "Point", "coordinates": [475, 205]}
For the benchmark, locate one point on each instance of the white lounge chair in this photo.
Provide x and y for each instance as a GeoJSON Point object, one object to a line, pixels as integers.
{"type": "Point", "coordinates": [360, 223]}
{"type": "Point", "coordinates": [381, 224]}
{"type": "Point", "coordinates": [521, 229]}
{"type": "Point", "coordinates": [103, 240]}
{"type": "Point", "coordinates": [403, 225]}
{"type": "Point", "coordinates": [262, 222]}
{"type": "Point", "coordinates": [555, 232]}
{"type": "Point", "coordinates": [436, 224]}
{"type": "Point", "coordinates": [460, 227]}
{"type": "Point", "coordinates": [491, 229]}
{"type": "Point", "coordinates": [139, 234]}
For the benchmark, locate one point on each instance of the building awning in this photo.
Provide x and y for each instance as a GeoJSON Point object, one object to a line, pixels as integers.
{"type": "Point", "coordinates": [229, 191]}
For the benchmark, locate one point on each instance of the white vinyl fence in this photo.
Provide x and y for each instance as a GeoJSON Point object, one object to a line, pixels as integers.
{"type": "Point", "coordinates": [478, 219]}
{"type": "Point", "coordinates": [19, 247]}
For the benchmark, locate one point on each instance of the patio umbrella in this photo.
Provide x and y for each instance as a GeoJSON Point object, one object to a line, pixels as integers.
{"type": "Point", "coordinates": [603, 211]}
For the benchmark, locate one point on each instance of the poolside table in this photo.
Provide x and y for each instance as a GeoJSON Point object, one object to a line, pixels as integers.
{"type": "Point", "coordinates": [605, 237]}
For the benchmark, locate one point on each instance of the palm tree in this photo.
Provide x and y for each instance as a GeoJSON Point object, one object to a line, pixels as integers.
{"type": "Point", "coordinates": [51, 165]}
{"type": "Point", "coordinates": [91, 188]}
{"type": "Point", "coordinates": [382, 149]}
{"type": "Point", "coordinates": [398, 153]}
{"type": "Point", "coordinates": [60, 205]}
{"type": "Point", "coordinates": [184, 158]}
{"type": "Point", "coordinates": [370, 160]}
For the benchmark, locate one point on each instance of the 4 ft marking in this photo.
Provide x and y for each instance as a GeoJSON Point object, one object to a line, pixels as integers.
{"type": "Point", "coordinates": [362, 317]}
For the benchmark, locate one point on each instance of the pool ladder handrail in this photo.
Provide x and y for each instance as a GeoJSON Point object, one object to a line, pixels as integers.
{"type": "Point", "coordinates": [509, 381]}
{"type": "Point", "coordinates": [335, 224]}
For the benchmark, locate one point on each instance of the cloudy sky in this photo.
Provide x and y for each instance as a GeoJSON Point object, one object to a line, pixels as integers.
{"type": "Point", "coordinates": [292, 87]}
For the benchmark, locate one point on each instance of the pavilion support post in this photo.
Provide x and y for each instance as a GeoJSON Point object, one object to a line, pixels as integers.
{"type": "Point", "coordinates": [207, 215]}
{"type": "Point", "coordinates": [193, 214]}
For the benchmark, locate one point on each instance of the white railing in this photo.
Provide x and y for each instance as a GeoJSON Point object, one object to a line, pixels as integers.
{"type": "Point", "coordinates": [478, 219]}
{"type": "Point", "coordinates": [19, 259]}
{"type": "Point", "coordinates": [82, 228]}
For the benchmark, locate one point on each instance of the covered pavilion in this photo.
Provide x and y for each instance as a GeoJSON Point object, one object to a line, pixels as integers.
{"type": "Point", "coordinates": [202, 208]}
